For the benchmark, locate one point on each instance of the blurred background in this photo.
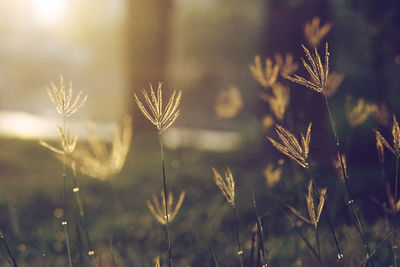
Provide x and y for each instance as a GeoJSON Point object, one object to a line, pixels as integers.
{"type": "Point", "coordinates": [113, 48]}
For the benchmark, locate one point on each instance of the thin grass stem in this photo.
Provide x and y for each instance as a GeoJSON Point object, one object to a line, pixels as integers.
{"type": "Point", "coordinates": [394, 245]}
{"type": "Point", "coordinates": [64, 221]}
{"type": "Point", "coordinates": [239, 247]}
{"type": "Point", "coordinates": [164, 180]}
{"type": "Point", "coordinates": [338, 249]}
{"type": "Point", "coordinates": [3, 238]}
{"type": "Point", "coordinates": [299, 233]}
{"type": "Point", "coordinates": [214, 257]}
{"type": "Point", "coordinates": [317, 241]}
{"type": "Point", "coordinates": [67, 242]}
{"type": "Point", "coordinates": [349, 201]}
{"type": "Point", "coordinates": [260, 229]}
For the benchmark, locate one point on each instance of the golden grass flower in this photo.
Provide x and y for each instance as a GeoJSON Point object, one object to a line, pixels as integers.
{"type": "Point", "coordinates": [162, 119]}
{"type": "Point", "coordinates": [396, 138]}
{"type": "Point", "coordinates": [314, 33]}
{"type": "Point", "coordinates": [318, 72]}
{"type": "Point", "coordinates": [278, 100]}
{"type": "Point", "coordinates": [286, 66]}
{"type": "Point", "coordinates": [395, 206]}
{"type": "Point", "coordinates": [97, 161]}
{"type": "Point", "coordinates": [360, 112]}
{"type": "Point", "coordinates": [333, 83]}
{"type": "Point", "coordinates": [313, 214]}
{"type": "Point", "coordinates": [381, 114]}
{"type": "Point", "coordinates": [291, 147]}
{"type": "Point", "coordinates": [337, 164]}
{"type": "Point", "coordinates": [68, 143]}
{"type": "Point", "coordinates": [380, 148]}
{"type": "Point", "coordinates": [62, 98]}
{"type": "Point", "coordinates": [267, 122]}
{"type": "Point", "coordinates": [228, 103]}
{"type": "Point", "coordinates": [157, 261]}
{"type": "Point", "coordinates": [227, 186]}
{"type": "Point", "coordinates": [157, 208]}
{"type": "Point", "coordinates": [272, 175]}
{"type": "Point", "coordinates": [267, 77]}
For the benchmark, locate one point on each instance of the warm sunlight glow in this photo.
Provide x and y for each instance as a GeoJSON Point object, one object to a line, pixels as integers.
{"type": "Point", "coordinates": [48, 12]}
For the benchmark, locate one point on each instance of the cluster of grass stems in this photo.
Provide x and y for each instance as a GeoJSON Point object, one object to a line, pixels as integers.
{"type": "Point", "coordinates": [296, 149]}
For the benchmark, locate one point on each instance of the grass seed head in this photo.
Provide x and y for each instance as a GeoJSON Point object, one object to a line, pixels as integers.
{"type": "Point", "coordinates": [278, 100]}
{"type": "Point", "coordinates": [314, 33]}
{"type": "Point", "coordinates": [228, 103]}
{"type": "Point", "coordinates": [68, 143]}
{"type": "Point", "coordinates": [272, 175]}
{"type": "Point", "coordinates": [396, 138]}
{"type": "Point", "coordinates": [333, 83]}
{"type": "Point", "coordinates": [314, 215]}
{"type": "Point", "coordinates": [337, 164]}
{"type": "Point", "coordinates": [62, 98]}
{"type": "Point", "coordinates": [317, 71]}
{"type": "Point", "coordinates": [157, 207]}
{"type": "Point", "coordinates": [161, 118]}
{"type": "Point", "coordinates": [358, 114]}
{"type": "Point", "coordinates": [291, 146]}
{"type": "Point", "coordinates": [97, 161]}
{"type": "Point", "coordinates": [226, 185]}
{"type": "Point", "coordinates": [286, 66]}
{"type": "Point", "coordinates": [266, 78]}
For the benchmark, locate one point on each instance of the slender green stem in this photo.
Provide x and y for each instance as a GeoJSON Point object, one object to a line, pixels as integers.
{"type": "Point", "coordinates": [214, 257]}
{"type": "Point", "coordinates": [67, 242]}
{"type": "Point", "coordinates": [239, 247]}
{"type": "Point", "coordinates": [338, 249]}
{"type": "Point", "coordinates": [317, 241]}
{"type": "Point", "coordinates": [396, 181]}
{"type": "Point", "coordinates": [3, 238]}
{"type": "Point", "coordinates": [164, 180]}
{"type": "Point", "coordinates": [82, 219]}
{"type": "Point", "coordinates": [394, 246]}
{"type": "Point", "coordinates": [64, 221]}
{"type": "Point", "coordinates": [260, 229]}
{"type": "Point", "coordinates": [253, 246]}
{"type": "Point", "coordinates": [349, 201]}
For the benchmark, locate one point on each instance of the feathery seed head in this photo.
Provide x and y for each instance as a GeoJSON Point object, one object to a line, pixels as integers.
{"type": "Point", "coordinates": [291, 146]}
{"type": "Point", "coordinates": [314, 215]}
{"type": "Point", "coordinates": [333, 83]}
{"type": "Point", "coordinates": [157, 207]}
{"type": "Point", "coordinates": [272, 175]}
{"type": "Point", "coordinates": [318, 72]}
{"type": "Point", "coordinates": [227, 186]}
{"type": "Point", "coordinates": [157, 261]}
{"type": "Point", "coordinates": [379, 148]}
{"type": "Point", "coordinates": [360, 113]}
{"type": "Point", "coordinates": [287, 66]}
{"type": "Point", "coordinates": [267, 77]}
{"type": "Point", "coordinates": [314, 33]}
{"type": "Point", "coordinates": [68, 143]}
{"type": "Point", "coordinates": [62, 98]}
{"type": "Point", "coordinates": [161, 118]}
{"type": "Point", "coordinates": [97, 161]}
{"type": "Point", "coordinates": [337, 164]}
{"type": "Point", "coordinates": [228, 103]}
{"type": "Point", "coordinates": [396, 138]}
{"type": "Point", "coordinates": [278, 100]}
{"type": "Point", "coordinates": [395, 207]}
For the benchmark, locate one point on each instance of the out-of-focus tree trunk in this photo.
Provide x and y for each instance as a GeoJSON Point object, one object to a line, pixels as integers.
{"type": "Point", "coordinates": [148, 37]}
